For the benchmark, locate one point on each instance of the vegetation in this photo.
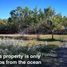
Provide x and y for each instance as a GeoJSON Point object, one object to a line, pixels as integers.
{"type": "Point", "coordinates": [27, 21]}
{"type": "Point", "coordinates": [25, 50]}
{"type": "Point", "coordinates": [24, 20]}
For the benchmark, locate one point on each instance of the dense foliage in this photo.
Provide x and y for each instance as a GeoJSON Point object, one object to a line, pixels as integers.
{"type": "Point", "coordinates": [25, 20]}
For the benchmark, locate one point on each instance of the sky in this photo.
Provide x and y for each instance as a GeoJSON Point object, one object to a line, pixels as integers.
{"type": "Point", "coordinates": [6, 6]}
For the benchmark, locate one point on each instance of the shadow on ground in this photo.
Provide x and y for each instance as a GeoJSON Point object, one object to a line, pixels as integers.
{"type": "Point", "coordinates": [50, 39]}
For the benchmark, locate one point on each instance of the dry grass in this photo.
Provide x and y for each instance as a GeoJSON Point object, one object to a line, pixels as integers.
{"type": "Point", "coordinates": [33, 41]}
{"type": "Point", "coordinates": [34, 36]}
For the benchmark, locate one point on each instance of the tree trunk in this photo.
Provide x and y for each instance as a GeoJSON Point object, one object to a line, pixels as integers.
{"type": "Point", "coordinates": [52, 35]}
{"type": "Point", "coordinates": [38, 36]}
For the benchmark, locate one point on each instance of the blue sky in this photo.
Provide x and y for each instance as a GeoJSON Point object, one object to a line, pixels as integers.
{"type": "Point", "coordinates": [7, 5]}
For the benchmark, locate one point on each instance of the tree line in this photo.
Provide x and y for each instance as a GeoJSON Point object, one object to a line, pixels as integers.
{"type": "Point", "coordinates": [28, 21]}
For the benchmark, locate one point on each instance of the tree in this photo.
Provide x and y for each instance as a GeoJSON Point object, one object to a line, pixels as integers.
{"type": "Point", "coordinates": [57, 19]}
{"type": "Point", "coordinates": [14, 19]}
{"type": "Point", "coordinates": [53, 21]}
{"type": "Point", "coordinates": [57, 22]}
{"type": "Point", "coordinates": [35, 19]}
{"type": "Point", "coordinates": [49, 13]}
{"type": "Point", "coordinates": [64, 21]}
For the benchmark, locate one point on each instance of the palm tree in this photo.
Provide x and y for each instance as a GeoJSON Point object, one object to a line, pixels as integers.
{"type": "Point", "coordinates": [49, 13]}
